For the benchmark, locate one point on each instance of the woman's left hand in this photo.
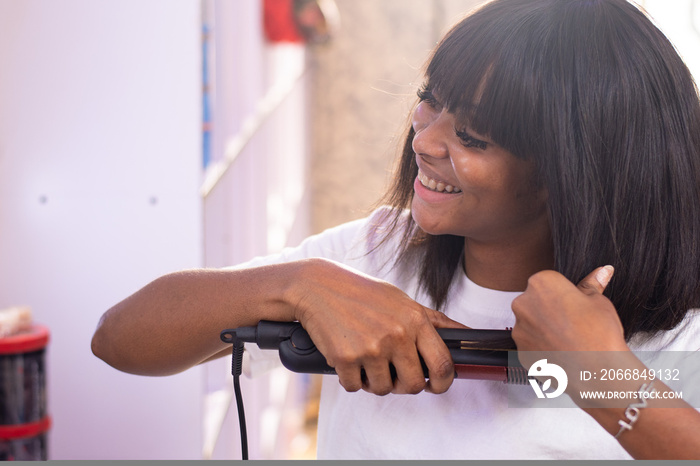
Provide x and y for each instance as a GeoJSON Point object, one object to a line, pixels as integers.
{"type": "Point", "coordinates": [576, 325]}
{"type": "Point", "coordinates": [553, 314]}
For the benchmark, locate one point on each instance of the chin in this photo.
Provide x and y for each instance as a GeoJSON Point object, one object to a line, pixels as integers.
{"type": "Point", "coordinates": [431, 226]}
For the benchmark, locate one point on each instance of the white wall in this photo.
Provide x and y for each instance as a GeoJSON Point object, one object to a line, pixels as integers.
{"type": "Point", "coordinates": [100, 174]}
{"type": "Point", "coordinates": [680, 21]}
{"type": "Point", "coordinates": [100, 127]}
{"type": "Point", "coordinates": [258, 207]}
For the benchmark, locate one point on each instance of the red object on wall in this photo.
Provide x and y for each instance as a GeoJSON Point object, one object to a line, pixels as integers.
{"type": "Point", "coordinates": [279, 22]}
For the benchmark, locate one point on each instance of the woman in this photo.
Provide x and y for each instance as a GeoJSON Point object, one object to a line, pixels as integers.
{"type": "Point", "coordinates": [552, 138]}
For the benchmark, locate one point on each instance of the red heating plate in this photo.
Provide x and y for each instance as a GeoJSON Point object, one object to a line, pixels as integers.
{"type": "Point", "coordinates": [478, 372]}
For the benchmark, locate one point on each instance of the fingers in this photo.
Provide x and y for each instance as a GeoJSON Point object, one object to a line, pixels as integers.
{"type": "Point", "coordinates": [435, 354]}
{"type": "Point", "coordinates": [379, 377]}
{"type": "Point", "coordinates": [440, 320]}
{"type": "Point", "coordinates": [403, 376]}
{"type": "Point", "coordinates": [596, 281]}
{"type": "Point", "coordinates": [400, 369]}
{"type": "Point", "coordinates": [349, 378]}
{"type": "Point", "coordinates": [408, 373]}
{"type": "Point", "coordinates": [555, 314]}
{"type": "Point", "coordinates": [441, 369]}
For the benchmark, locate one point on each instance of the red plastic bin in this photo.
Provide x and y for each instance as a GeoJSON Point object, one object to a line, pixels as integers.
{"type": "Point", "coordinates": [24, 421]}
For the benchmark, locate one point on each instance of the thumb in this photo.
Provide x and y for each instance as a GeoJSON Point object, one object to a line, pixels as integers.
{"type": "Point", "coordinates": [440, 320]}
{"type": "Point", "coordinates": [596, 281]}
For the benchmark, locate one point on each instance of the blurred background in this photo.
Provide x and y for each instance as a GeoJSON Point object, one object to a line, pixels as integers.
{"type": "Point", "coordinates": [139, 137]}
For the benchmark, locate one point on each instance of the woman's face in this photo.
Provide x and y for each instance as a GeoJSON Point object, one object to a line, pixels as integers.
{"type": "Point", "coordinates": [469, 186]}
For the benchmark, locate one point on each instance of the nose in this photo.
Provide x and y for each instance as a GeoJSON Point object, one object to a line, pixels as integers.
{"type": "Point", "coordinates": [431, 128]}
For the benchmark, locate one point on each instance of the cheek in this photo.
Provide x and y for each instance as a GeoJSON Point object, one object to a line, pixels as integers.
{"type": "Point", "coordinates": [469, 170]}
{"type": "Point", "coordinates": [529, 196]}
{"type": "Point", "coordinates": [527, 187]}
{"type": "Point", "coordinates": [501, 185]}
{"type": "Point", "coordinates": [478, 174]}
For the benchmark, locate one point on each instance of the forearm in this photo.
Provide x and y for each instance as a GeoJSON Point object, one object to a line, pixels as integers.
{"type": "Point", "coordinates": [581, 327]}
{"type": "Point", "coordinates": [173, 323]}
{"type": "Point", "coordinates": [660, 432]}
{"type": "Point", "coordinates": [666, 426]}
{"type": "Point", "coordinates": [356, 321]}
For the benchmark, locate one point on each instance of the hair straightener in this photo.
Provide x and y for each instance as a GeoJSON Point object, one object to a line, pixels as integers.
{"type": "Point", "coordinates": [476, 353]}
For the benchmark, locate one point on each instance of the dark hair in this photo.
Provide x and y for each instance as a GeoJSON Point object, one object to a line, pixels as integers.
{"type": "Point", "coordinates": [598, 98]}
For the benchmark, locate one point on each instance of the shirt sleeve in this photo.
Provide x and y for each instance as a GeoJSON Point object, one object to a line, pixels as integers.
{"type": "Point", "coordinates": [349, 243]}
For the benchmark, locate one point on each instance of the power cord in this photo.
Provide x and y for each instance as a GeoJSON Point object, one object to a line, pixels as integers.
{"type": "Point", "coordinates": [477, 354]}
{"type": "Point", "coordinates": [236, 370]}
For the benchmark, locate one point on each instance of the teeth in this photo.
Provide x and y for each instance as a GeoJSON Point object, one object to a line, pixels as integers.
{"type": "Point", "coordinates": [438, 186]}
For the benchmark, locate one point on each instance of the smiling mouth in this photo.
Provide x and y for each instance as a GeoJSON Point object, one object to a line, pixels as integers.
{"type": "Point", "coordinates": [437, 186]}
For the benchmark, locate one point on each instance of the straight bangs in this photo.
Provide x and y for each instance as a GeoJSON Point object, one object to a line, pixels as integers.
{"type": "Point", "coordinates": [486, 72]}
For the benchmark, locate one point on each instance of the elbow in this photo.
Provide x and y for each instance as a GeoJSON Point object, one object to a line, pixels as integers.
{"type": "Point", "coordinates": [122, 354]}
{"type": "Point", "coordinates": [109, 353]}
{"type": "Point", "coordinates": [99, 345]}
{"type": "Point", "coordinates": [105, 346]}
{"type": "Point", "coordinates": [110, 343]}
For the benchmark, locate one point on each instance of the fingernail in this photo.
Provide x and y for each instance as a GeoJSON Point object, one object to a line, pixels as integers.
{"type": "Point", "coordinates": [604, 275]}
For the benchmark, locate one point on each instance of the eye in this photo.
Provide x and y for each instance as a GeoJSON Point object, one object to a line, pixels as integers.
{"type": "Point", "coordinates": [425, 95]}
{"type": "Point", "coordinates": [470, 141]}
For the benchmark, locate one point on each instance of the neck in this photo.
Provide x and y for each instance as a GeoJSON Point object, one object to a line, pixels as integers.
{"type": "Point", "coordinates": [507, 267]}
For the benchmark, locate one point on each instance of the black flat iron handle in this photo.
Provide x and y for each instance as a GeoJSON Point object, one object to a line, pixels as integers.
{"type": "Point", "coordinates": [299, 354]}
{"type": "Point", "coordinates": [476, 353]}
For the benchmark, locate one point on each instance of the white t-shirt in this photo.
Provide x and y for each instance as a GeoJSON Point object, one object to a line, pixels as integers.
{"type": "Point", "coordinates": [472, 420]}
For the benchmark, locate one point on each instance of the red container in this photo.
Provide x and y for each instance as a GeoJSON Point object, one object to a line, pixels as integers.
{"type": "Point", "coordinates": [24, 421]}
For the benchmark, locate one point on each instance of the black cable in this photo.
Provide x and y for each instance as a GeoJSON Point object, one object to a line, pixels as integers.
{"type": "Point", "coordinates": [469, 347]}
{"type": "Point", "coordinates": [236, 370]}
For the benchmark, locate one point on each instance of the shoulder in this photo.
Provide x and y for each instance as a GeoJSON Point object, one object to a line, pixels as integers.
{"type": "Point", "coordinates": [374, 238]}
{"type": "Point", "coordinates": [381, 229]}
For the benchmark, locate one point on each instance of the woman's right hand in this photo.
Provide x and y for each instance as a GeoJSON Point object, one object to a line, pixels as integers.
{"type": "Point", "coordinates": [356, 321]}
{"type": "Point", "coordinates": [361, 323]}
